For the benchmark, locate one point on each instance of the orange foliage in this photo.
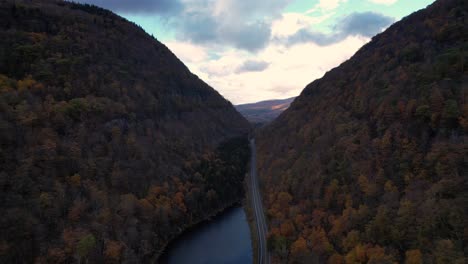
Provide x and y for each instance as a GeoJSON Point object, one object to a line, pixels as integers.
{"type": "Point", "coordinates": [71, 237]}
{"type": "Point", "coordinates": [299, 247]}
{"type": "Point", "coordinates": [113, 250]}
{"type": "Point", "coordinates": [56, 255]}
{"type": "Point", "coordinates": [287, 228]}
{"type": "Point", "coordinates": [299, 221]}
{"type": "Point", "coordinates": [320, 242]}
{"type": "Point", "coordinates": [284, 199]}
{"type": "Point", "coordinates": [76, 211]}
{"type": "Point", "coordinates": [413, 256]}
{"type": "Point", "coordinates": [75, 180]}
{"type": "Point", "coordinates": [179, 201]}
{"type": "Point", "coordinates": [368, 254]}
{"type": "Point", "coordinates": [336, 259]}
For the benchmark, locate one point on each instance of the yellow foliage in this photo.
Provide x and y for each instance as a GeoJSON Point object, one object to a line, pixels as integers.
{"type": "Point", "coordinates": [45, 200]}
{"type": "Point", "coordinates": [390, 187]}
{"type": "Point", "coordinates": [367, 187]}
{"type": "Point", "coordinates": [351, 240]}
{"type": "Point", "coordinates": [28, 83]}
{"type": "Point", "coordinates": [5, 83]}
{"type": "Point", "coordinates": [357, 255]}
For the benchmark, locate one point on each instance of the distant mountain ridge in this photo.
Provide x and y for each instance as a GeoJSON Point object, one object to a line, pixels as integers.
{"type": "Point", "coordinates": [264, 111]}
{"type": "Point", "coordinates": [369, 163]}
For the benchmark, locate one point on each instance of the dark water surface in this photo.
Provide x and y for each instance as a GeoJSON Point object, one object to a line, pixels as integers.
{"type": "Point", "coordinates": [225, 239]}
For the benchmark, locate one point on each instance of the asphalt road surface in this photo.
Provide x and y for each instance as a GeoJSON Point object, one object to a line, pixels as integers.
{"type": "Point", "coordinates": [263, 255]}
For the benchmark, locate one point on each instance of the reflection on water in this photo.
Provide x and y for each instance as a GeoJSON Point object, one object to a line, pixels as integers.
{"type": "Point", "coordinates": [226, 239]}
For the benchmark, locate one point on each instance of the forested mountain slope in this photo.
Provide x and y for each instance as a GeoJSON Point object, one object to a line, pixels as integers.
{"type": "Point", "coordinates": [109, 146]}
{"type": "Point", "coordinates": [369, 164]}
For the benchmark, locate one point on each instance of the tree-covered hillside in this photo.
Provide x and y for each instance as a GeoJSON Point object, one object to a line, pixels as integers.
{"type": "Point", "coordinates": [369, 164]}
{"type": "Point", "coordinates": [109, 146]}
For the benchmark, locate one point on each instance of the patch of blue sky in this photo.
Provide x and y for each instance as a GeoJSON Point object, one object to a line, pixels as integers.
{"type": "Point", "coordinates": [154, 25]}
{"type": "Point", "coordinates": [397, 10]}
{"type": "Point", "coordinates": [162, 29]}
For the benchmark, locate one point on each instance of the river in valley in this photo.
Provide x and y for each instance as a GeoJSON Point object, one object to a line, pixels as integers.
{"type": "Point", "coordinates": [224, 239]}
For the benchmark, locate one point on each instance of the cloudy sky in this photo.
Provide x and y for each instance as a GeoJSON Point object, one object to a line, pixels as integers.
{"type": "Point", "coordinates": [253, 50]}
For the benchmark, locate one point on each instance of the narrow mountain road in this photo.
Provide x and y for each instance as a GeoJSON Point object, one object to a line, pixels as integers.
{"type": "Point", "coordinates": [263, 255]}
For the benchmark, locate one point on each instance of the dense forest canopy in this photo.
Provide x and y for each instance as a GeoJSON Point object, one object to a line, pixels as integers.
{"type": "Point", "coordinates": [109, 146]}
{"type": "Point", "coordinates": [369, 164]}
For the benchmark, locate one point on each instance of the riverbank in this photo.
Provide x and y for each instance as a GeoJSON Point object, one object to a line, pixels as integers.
{"type": "Point", "coordinates": [221, 173]}
{"type": "Point", "coordinates": [251, 217]}
{"type": "Point", "coordinates": [224, 239]}
{"type": "Point", "coordinates": [190, 228]}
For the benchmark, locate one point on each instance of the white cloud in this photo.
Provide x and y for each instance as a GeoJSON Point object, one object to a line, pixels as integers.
{"type": "Point", "coordinates": [241, 24]}
{"type": "Point", "coordinates": [290, 69]}
{"type": "Point", "coordinates": [326, 5]}
{"type": "Point", "coordinates": [384, 2]}
{"type": "Point", "coordinates": [290, 23]}
{"type": "Point", "coordinates": [187, 52]}
{"type": "Point", "coordinates": [278, 70]}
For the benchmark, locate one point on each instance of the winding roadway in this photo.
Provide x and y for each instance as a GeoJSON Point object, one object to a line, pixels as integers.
{"type": "Point", "coordinates": [263, 255]}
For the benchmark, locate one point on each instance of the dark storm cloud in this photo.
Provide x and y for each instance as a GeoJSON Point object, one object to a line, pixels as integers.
{"type": "Point", "coordinates": [365, 24]}
{"type": "Point", "coordinates": [138, 6]}
{"type": "Point", "coordinates": [253, 66]}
